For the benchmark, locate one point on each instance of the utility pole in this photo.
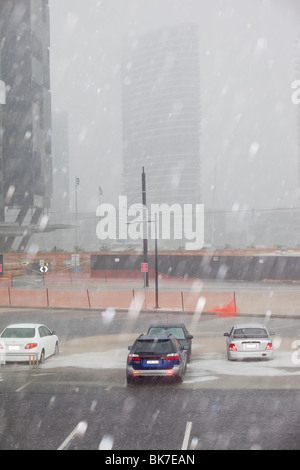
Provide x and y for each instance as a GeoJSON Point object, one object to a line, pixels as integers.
{"type": "Point", "coordinates": [77, 181]}
{"type": "Point", "coordinates": [156, 264]}
{"type": "Point", "coordinates": [145, 228]}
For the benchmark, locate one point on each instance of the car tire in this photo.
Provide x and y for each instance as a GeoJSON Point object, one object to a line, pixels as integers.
{"type": "Point", "coordinates": [189, 356]}
{"type": "Point", "coordinates": [56, 349]}
{"type": "Point", "coordinates": [130, 381]}
{"type": "Point", "coordinates": [42, 356]}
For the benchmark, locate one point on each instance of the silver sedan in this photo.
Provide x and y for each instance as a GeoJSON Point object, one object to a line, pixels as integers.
{"type": "Point", "coordinates": [249, 341]}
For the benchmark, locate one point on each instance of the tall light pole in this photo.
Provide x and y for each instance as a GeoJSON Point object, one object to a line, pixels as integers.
{"type": "Point", "coordinates": [100, 193]}
{"type": "Point", "coordinates": [77, 181]}
{"type": "Point", "coordinates": [145, 228]}
{"type": "Point", "coordinates": [156, 264]}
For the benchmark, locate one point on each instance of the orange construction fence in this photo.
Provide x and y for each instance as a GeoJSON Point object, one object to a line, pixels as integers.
{"type": "Point", "coordinates": [222, 303]}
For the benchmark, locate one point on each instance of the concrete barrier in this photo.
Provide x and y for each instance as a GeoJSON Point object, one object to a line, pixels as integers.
{"type": "Point", "coordinates": [277, 302]}
{"type": "Point", "coordinates": [28, 298]}
{"type": "Point", "coordinates": [166, 300]}
{"type": "Point", "coordinates": [222, 302]}
{"type": "Point", "coordinates": [112, 298]}
{"type": "Point", "coordinates": [4, 296]}
{"type": "Point", "coordinates": [206, 301]}
{"type": "Point", "coordinates": [72, 298]}
{"type": "Point", "coordinates": [269, 302]}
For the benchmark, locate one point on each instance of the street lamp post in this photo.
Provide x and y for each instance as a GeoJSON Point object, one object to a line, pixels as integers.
{"type": "Point", "coordinates": [145, 228]}
{"type": "Point", "coordinates": [156, 265]}
{"type": "Point", "coordinates": [100, 193]}
{"type": "Point", "coordinates": [77, 181]}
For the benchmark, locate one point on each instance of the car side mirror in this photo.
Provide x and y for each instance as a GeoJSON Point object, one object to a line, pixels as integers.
{"type": "Point", "coordinates": [129, 348]}
{"type": "Point", "coordinates": [226, 334]}
{"type": "Point", "coordinates": [272, 332]}
{"type": "Point", "coordinates": [190, 336]}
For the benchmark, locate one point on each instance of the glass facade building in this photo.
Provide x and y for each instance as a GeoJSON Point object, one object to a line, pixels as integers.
{"type": "Point", "coordinates": [26, 116]}
{"type": "Point", "coordinates": [161, 116]}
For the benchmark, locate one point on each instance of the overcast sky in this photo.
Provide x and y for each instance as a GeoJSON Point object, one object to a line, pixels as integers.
{"type": "Point", "coordinates": [249, 124]}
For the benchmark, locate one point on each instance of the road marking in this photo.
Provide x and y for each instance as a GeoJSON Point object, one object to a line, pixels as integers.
{"type": "Point", "coordinates": [78, 430]}
{"type": "Point", "coordinates": [23, 386]}
{"type": "Point", "coordinates": [68, 439]}
{"type": "Point", "coordinates": [187, 433]}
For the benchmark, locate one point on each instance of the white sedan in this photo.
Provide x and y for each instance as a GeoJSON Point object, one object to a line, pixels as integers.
{"type": "Point", "coordinates": [20, 342]}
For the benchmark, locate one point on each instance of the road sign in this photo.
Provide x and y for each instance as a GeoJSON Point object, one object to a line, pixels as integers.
{"type": "Point", "coordinates": [144, 267]}
{"type": "Point", "coordinates": [43, 269]}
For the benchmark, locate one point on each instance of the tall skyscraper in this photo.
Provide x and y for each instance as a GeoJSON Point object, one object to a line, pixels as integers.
{"type": "Point", "coordinates": [61, 171]}
{"type": "Point", "coordinates": [161, 115]}
{"type": "Point", "coordinates": [26, 117]}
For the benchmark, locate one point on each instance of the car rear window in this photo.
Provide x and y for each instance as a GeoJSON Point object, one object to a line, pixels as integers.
{"type": "Point", "coordinates": [250, 333]}
{"type": "Point", "coordinates": [18, 333]}
{"type": "Point", "coordinates": [155, 346]}
{"type": "Point", "coordinates": [175, 331]}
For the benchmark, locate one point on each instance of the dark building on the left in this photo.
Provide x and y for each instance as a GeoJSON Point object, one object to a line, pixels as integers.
{"type": "Point", "coordinates": [25, 137]}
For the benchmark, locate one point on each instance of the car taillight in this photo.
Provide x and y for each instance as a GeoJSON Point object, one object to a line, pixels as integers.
{"type": "Point", "coordinates": [172, 357]}
{"type": "Point", "coordinates": [232, 347]}
{"type": "Point", "coordinates": [133, 357]}
{"type": "Point", "coordinates": [31, 345]}
{"type": "Point", "coordinates": [269, 346]}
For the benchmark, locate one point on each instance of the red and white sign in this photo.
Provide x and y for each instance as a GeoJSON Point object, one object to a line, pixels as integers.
{"type": "Point", "coordinates": [144, 267]}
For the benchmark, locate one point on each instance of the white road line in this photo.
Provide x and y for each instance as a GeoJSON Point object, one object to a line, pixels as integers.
{"type": "Point", "coordinates": [23, 386]}
{"type": "Point", "coordinates": [68, 439]}
{"type": "Point", "coordinates": [187, 433]}
{"type": "Point", "coordinates": [78, 430]}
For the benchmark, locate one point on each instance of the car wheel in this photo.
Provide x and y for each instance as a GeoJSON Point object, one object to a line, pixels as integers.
{"type": "Point", "coordinates": [189, 356]}
{"type": "Point", "coordinates": [56, 350]}
{"type": "Point", "coordinates": [179, 379]}
{"type": "Point", "coordinates": [42, 356]}
{"type": "Point", "coordinates": [130, 381]}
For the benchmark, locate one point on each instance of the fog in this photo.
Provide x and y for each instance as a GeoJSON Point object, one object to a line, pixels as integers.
{"type": "Point", "coordinates": [249, 134]}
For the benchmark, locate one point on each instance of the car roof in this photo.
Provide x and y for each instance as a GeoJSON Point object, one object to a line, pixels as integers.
{"type": "Point", "coordinates": [166, 324]}
{"type": "Point", "coordinates": [153, 337]}
{"type": "Point", "coordinates": [24, 325]}
{"type": "Point", "coordinates": [250, 325]}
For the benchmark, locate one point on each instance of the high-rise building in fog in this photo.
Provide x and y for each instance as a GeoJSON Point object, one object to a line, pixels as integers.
{"type": "Point", "coordinates": [26, 116]}
{"type": "Point", "coordinates": [61, 171]}
{"type": "Point", "coordinates": [161, 115]}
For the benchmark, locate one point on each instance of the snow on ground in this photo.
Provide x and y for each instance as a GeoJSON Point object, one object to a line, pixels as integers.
{"type": "Point", "coordinates": [203, 367]}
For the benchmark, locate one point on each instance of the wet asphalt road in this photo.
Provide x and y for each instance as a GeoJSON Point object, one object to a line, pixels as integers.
{"type": "Point", "coordinates": [88, 408]}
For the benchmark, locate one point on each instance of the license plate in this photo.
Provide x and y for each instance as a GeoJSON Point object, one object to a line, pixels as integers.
{"type": "Point", "coordinates": [13, 348]}
{"type": "Point", "coordinates": [152, 362]}
{"type": "Point", "coordinates": [251, 346]}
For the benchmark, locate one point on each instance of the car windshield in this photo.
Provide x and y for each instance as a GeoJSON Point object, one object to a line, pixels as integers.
{"type": "Point", "coordinates": [250, 333]}
{"type": "Point", "coordinates": [175, 331]}
{"type": "Point", "coordinates": [18, 333]}
{"type": "Point", "coordinates": [153, 346]}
